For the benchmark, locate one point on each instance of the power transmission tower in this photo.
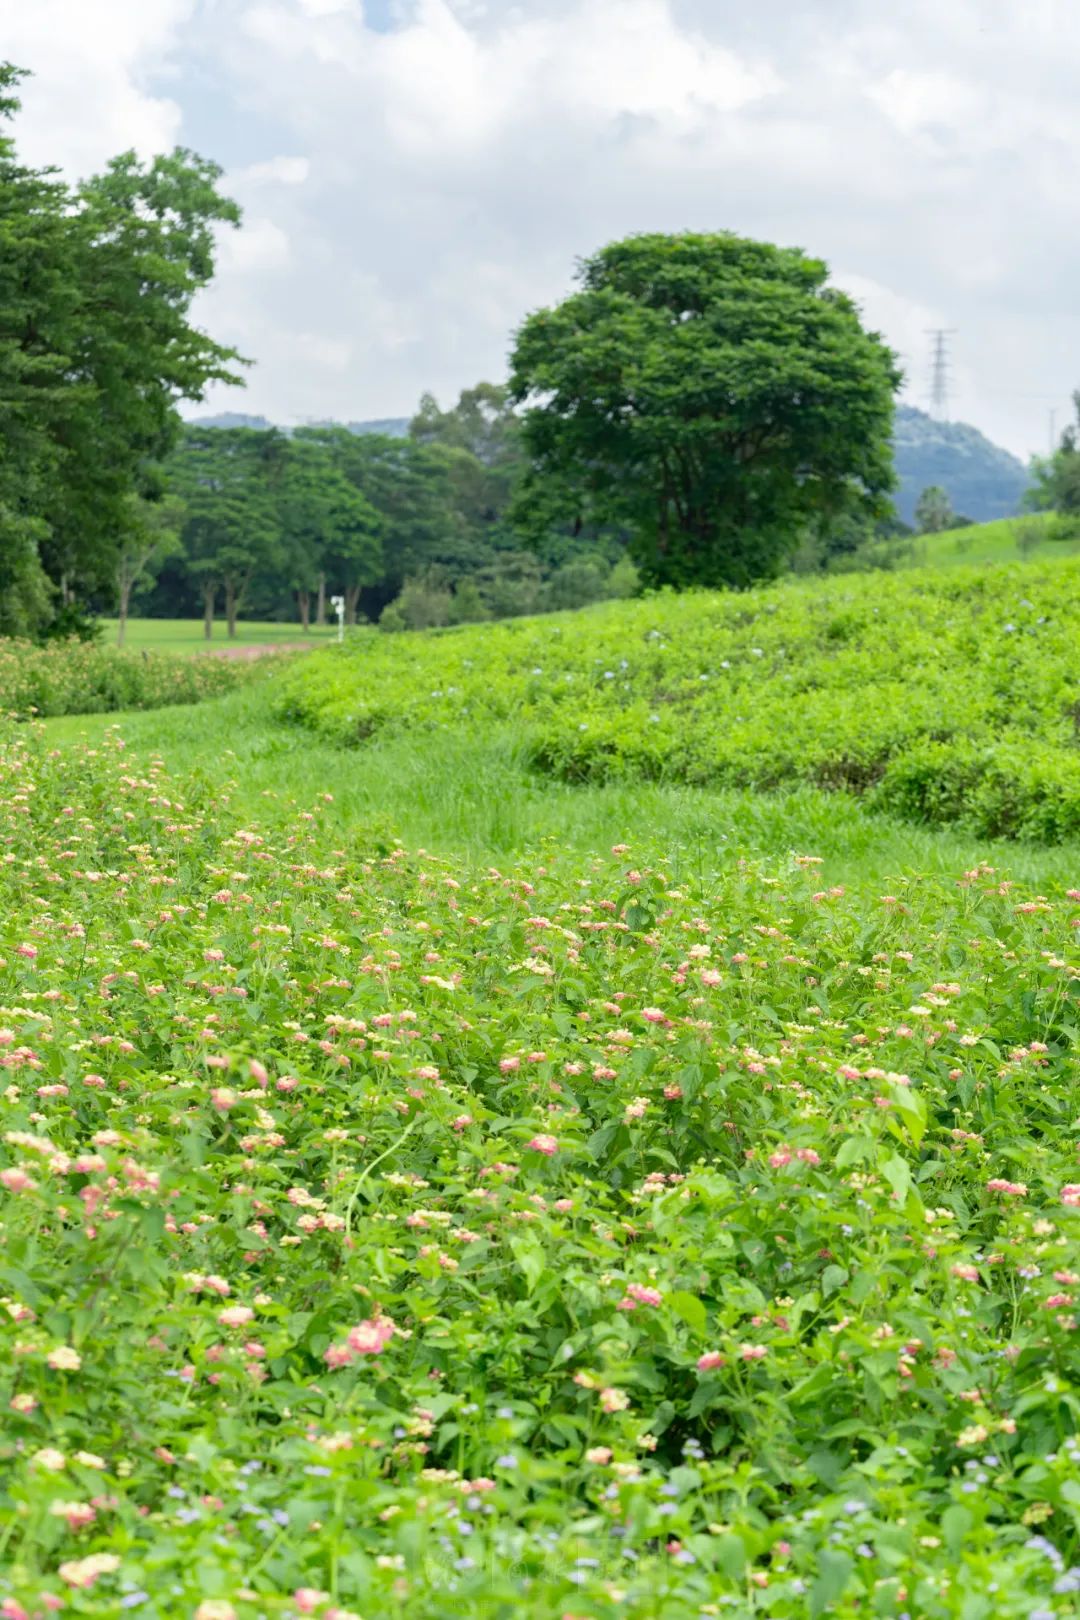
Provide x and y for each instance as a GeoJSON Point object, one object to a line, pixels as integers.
{"type": "Point", "coordinates": [939, 372]}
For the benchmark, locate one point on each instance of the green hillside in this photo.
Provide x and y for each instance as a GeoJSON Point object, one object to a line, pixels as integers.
{"type": "Point", "coordinates": [938, 695]}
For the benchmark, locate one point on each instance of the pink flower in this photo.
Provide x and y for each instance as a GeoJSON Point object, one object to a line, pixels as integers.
{"type": "Point", "coordinates": [460, 1122]}
{"type": "Point", "coordinates": [652, 1015]}
{"type": "Point", "coordinates": [753, 1352]}
{"type": "Point", "coordinates": [308, 1599]}
{"type": "Point", "coordinates": [507, 1065]}
{"type": "Point", "coordinates": [370, 1338]}
{"type": "Point", "coordinates": [544, 1144]}
{"type": "Point", "coordinates": [645, 1296]}
{"type": "Point", "coordinates": [64, 1359]}
{"type": "Point", "coordinates": [808, 1156]}
{"type": "Point", "coordinates": [258, 1073]}
{"type": "Point", "coordinates": [710, 1360]}
{"type": "Point", "coordinates": [83, 1572]}
{"type": "Point", "coordinates": [781, 1157]}
{"type": "Point", "coordinates": [16, 1179]}
{"type": "Point", "coordinates": [1070, 1194]}
{"type": "Point", "coordinates": [1011, 1189]}
{"type": "Point", "coordinates": [234, 1316]}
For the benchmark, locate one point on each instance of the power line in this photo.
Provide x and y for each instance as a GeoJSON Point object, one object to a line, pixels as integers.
{"type": "Point", "coordinates": [939, 374]}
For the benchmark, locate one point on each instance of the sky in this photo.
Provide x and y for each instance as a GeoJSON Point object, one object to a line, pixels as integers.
{"type": "Point", "coordinates": [417, 175]}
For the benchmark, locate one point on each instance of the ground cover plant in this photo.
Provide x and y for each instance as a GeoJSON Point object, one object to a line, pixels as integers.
{"type": "Point", "coordinates": [939, 696]}
{"type": "Point", "coordinates": [587, 1235]}
{"type": "Point", "coordinates": [84, 677]}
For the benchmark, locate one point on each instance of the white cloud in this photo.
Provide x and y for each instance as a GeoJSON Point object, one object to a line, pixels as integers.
{"type": "Point", "coordinates": [258, 246]}
{"type": "Point", "coordinates": [89, 98]}
{"type": "Point", "coordinates": [417, 174]}
{"type": "Point", "coordinates": [280, 171]}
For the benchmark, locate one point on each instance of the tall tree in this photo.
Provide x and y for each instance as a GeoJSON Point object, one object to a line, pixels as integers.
{"type": "Point", "coordinates": [409, 488]}
{"type": "Point", "coordinates": [1056, 479]}
{"type": "Point", "coordinates": [711, 393]}
{"type": "Point", "coordinates": [150, 534]}
{"type": "Point", "coordinates": [96, 344]}
{"type": "Point", "coordinates": [329, 528]}
{"type": "Point", "coordinates": [229, 480]}
{"type": "Point", "coordinates": [933, 510]}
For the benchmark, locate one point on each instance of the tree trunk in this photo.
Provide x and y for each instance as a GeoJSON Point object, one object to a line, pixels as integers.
{"type": "Point", "coordinates": [230, 608]}
{"type": "Point", "coordinates": [303, 600]}
{"type": "Point", "coordinates": [121, 623]}
{"type": "Point", "coordinates": [320, 605]}
{"type": "Point", "coordinates": [65, 594]}
{"type": "Point", "coordinates": [209, 592]}
{"type": "Point", "coordinates": [352, 596]}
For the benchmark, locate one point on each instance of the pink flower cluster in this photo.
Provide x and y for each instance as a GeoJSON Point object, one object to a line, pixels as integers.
{"type": "Point", "coordinates": [368, 1338]}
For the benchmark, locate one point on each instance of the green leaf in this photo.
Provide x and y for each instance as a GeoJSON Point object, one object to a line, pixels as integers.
{"type": "Point", "coordinates": [834, 1572]}
{"type": "Point", "coordinates": [897, 1173]}
{"type": "Point", "coordinates": [956, 1521]}
{"type": "Point", "coordinates": [832, 1278]}
{"type": "Point", "coordinates": [690, 1308]}
{"type": "Point", "coordinates": [529, 1254]}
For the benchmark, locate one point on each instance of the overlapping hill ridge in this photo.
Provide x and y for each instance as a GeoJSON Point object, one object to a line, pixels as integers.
{"type": "Point", "coordinates": [937, 696]}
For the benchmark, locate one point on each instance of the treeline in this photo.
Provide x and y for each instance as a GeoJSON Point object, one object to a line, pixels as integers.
{"type": "Point", "coordinates": [413, 532]}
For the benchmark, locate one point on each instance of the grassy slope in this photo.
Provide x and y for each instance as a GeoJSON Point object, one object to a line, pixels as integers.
{"type": "Point", "coordinates": [477, 797]}
{"type": "Point", "coordinates": [990, 543]}
{"type": "Point", "coordinates": [942, 695]}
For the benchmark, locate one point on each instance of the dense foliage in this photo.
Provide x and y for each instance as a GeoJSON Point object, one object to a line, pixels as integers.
{"type": "Point", "coordinates": [96, 349]}
{"type": "Point", "coordinates": [711, 394]}
{"type": "Point", "coordinates": [980, 478]}
{"type": "Point", "coordinates": [79, 677]}
{"type": "Point", "coordinates": [411, 529]}
{"type": "Point", "coordinates": [943, 696]}
{"type": "Point", "coordinates": [600, 1236]}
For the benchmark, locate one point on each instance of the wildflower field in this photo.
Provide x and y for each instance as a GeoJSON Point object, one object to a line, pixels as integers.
{"type": "Point", "coordinates": [594, 1233]}
{"type": "Point", "coordinates": [77, 677]}
{"type": "Point", "coordinates": [937, 695]}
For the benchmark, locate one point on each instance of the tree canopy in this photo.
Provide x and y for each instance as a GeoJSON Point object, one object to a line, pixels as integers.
{"type": "Point", "coordinates": [96, 351]}
{"type": "Point", "coordinates": [712, 394]}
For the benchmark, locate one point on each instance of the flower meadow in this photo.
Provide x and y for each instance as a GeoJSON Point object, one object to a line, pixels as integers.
{"type": "Point", "coordinates": [80, 677]}
{"type": "Point", "coordinates": [584, 1237]}
{"type": "Point", "coordinates": [939, 696]}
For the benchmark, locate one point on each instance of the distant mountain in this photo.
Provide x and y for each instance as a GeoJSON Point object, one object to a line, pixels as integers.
{"type": "Point", "coordinates": [395, 427]}
{"type": "Point", "coordinates": [982, 480]}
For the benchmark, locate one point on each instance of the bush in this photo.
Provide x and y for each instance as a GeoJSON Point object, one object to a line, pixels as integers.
{"type": "Point", "coordinates": [82, 677]}
{"type": "Point", "coordinates": [943, 696]}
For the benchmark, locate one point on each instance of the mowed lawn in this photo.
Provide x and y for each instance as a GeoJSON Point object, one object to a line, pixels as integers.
{"type": "Point", "coordinates": [186, 636]}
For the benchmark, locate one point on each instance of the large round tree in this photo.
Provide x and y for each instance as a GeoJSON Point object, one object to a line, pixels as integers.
{"type": "Point", "coordinates": [711, 395]}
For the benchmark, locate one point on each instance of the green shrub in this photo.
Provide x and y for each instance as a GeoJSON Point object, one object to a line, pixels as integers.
{"type": "Point", "coordinates": [944, 696]}
{"type": "Point", "coordinates": [83, 677]}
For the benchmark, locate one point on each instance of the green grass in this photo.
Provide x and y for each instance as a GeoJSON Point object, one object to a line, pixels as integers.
{"type": "Point", "coordinates": [992, 543]}
{"type": "Point", "coordinates": [186, 635]}
{"type": "Point", "coordinates": [476, 797]}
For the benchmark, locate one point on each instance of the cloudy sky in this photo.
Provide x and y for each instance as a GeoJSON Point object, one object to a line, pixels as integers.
{"type": "Point", "coordinates": [417, 174]}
